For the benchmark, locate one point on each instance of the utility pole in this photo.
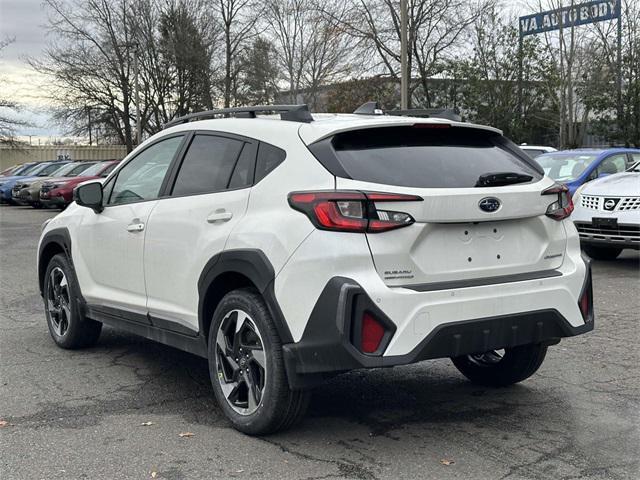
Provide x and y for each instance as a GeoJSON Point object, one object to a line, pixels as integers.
{"type": "Point", "coordinates": [404, 73]}
{"type": "Point", "coordinates": [137, 86]}
{"type": "Point", "coordinates": [620, 109]}
{"type": "Point", "coordinates": [89, 123]}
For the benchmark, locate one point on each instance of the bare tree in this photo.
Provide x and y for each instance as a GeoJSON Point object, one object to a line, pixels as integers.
{"type": "Point", "coordinates": [239, 19]}
{"type": "Point", "coordinates": [287, 22]}
{"type": "Point", "coordinates": [177, 39]}
{"type": "Point", "coordinates": [90, 62]}
{"type": "Point", "coordinates": [312, 47]}
{"type": "Point", "coordinates": [435, 30]}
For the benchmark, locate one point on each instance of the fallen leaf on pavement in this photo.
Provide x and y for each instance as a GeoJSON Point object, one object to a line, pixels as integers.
{"type": "Point", "coordinates": [4, 423]}
{"type": "Point", "coordinates": [447, 461]}
{"type": "Point", "coordinates": [186, 434]}
{"type": "Point", "coordinates": [146, 424]}
{"type": "Point", "coordinates": [239, 471]}
{"type": "Point", "coordinates": [154, 474]}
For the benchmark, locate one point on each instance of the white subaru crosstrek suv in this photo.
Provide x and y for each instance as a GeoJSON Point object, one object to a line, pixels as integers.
{"type": "Point", "coordinates": [289, 249]}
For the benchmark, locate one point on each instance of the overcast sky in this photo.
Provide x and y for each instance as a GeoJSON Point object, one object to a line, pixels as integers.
{"type": "Point", "coordinates": [22, 21]}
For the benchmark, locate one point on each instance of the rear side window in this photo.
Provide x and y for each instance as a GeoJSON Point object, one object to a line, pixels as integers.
{"type": "Point", "coordinates": [425, 157]}
{"type": "Point", "coordinates": [208, 165]}
{"type": "Point", "coordinates": [269, 157]}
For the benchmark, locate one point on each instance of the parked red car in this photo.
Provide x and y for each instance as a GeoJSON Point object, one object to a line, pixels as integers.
{"type": "Point", "coordinates": [59, 192]}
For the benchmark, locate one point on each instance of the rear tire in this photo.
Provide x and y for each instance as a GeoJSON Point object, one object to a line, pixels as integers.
{"type": "Point", "coordinates": [247, 369]}
{"type": "Point", "coordinates": [602, 253]}
{"type": "Point", "coordinates": [493, 370]}
{"type": "Point", "coordinates": [68, 327]}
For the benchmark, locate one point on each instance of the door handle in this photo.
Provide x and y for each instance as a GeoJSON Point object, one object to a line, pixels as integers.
{"type": "Point", "coordinates": [135, 227]}
{"type": "Point", "coordinates": [220, 215]}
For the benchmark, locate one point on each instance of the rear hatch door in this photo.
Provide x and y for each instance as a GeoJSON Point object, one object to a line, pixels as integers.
{"type": "Point", "coordinates": [469, 225]}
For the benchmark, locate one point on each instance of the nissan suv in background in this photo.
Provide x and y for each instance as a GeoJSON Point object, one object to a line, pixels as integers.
{"type": "Point", "coordinates": [59, 192]}
{"type": "Point", "coordinates": [289, 250]}
{"type": "Point", "coordinates": [607, 214]}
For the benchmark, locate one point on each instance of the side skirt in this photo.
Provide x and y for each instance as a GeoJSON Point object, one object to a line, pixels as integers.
{"type": "Point", "coordinates": [140, 325]}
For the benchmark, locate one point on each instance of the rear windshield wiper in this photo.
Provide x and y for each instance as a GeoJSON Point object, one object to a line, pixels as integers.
{"type": "Point", "coordinates": [502, 178]}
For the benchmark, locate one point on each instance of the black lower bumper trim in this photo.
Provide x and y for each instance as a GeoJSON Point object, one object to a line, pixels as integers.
{"type": "Point", "coordinates": [326, 349]}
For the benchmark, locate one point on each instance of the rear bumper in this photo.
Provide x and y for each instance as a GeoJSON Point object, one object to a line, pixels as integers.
{"type": "Point", "coordinates": [327, 346]}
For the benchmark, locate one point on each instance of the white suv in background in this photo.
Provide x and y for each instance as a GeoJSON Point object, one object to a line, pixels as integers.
{"type": "Point", "coordinates": [607, 214]}
{"type": "Point", "coordinates": [288, 250]}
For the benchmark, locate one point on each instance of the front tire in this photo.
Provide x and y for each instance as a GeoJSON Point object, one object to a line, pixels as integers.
{"type": "Point", "coordinates": [602, 253]}
{"type": "Point", "coordinates": [495, 370]}
{"type": "Point", "coordinates": [246, 367]}
{"type": "Point", "coordinates": [67, 325]}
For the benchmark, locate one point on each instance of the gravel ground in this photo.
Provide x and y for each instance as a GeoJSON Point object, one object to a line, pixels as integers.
{"type": "Point", "coordinates": [79, 414]}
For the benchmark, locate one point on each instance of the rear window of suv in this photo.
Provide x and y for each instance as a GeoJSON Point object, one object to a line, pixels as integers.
{"type": "Point", "coordinates": [422, 156]}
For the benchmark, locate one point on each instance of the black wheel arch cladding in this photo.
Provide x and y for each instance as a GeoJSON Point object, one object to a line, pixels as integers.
{"type": "Point", "coordinates": [53, 242]}
{"type": "Point", "coordinates": [251, 264]}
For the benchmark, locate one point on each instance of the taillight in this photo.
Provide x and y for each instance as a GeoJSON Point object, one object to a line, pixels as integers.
{"type": "Point", "coordinates": [372, 333]}
{"type": "Point", "coordinates": [352, 211]}
{"type": "Point", "coordinates": [563, 206]}
{"type": "Point", "coordinates": [585, 303]}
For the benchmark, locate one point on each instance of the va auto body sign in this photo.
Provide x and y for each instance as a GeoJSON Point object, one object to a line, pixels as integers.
{"type": "Point", "coordinates": [571, 16]}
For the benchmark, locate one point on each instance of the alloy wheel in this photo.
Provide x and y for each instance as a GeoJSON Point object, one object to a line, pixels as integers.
{"type": "Point", "coordinates": [241, 362]}
{"type": "Point", "coordinates": [58, 301]}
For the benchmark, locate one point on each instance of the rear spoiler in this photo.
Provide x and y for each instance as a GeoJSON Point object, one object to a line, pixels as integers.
{"type": "Point", "coordinates": [372, 108]}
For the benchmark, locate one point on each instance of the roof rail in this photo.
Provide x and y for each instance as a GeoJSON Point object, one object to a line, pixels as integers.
{"type": "Point", "coordinates": [293, 113]}
{"type": "Point", "coordinates": [372, 108]}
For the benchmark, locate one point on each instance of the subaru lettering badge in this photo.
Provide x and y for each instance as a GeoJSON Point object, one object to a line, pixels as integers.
{"type": "Point", "coordinates": [489, 204]}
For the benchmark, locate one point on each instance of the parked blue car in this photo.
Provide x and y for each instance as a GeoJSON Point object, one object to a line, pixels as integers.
{"type": "Point", "coordinates": [42, 169]}
{"type": "Point", "coordinates": [575, 167]}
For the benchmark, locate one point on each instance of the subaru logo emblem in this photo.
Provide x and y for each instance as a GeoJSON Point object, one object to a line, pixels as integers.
{"type": "Point", "coordinates": [489, 204]}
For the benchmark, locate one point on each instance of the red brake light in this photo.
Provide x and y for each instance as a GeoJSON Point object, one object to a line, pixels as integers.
{"type": "Point", "coordinates": [372, 333]}
{"type": "Point", "coordinates": [352, 211]}
{"type": "Point", "coordinates": [585, 303]}
{"type": "Point", "coordinates": [561, 208]}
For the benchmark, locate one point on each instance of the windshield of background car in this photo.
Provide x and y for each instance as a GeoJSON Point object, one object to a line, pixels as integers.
{"type": "Point", "coordinates": [64, 170]}
{"type": "Point", "coordinates": [94, 169]}
{"type": "Point", "coordinates": [79, 168]}
{"type": "Point", "coordinates": [565, 168]}
{"type": "Point", "coordinates": [428, 156]}
{"type": "Point", "coordinates": [26, 170]}
{"type": "Point", "coordinates": [48, 170]}
{"type": "Point", "coordinates": [36, 170]}
{"type": "Point", "coordinates": [533, 153]}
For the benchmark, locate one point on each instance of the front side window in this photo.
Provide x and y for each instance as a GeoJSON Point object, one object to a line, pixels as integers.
{"type": "Point", "coordinates": [208, 165]}
{"type": "Point", "coordinates": [141, 178]}
{"type": "Point", "coordinates": [613, 164]}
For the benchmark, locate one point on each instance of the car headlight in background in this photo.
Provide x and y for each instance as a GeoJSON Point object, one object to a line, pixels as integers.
{"type": "Point", "coordinates": [578, 194]}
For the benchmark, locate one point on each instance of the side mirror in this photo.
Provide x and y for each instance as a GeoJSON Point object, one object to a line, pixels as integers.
{"type": "Point", "coordinates": [89, 195]}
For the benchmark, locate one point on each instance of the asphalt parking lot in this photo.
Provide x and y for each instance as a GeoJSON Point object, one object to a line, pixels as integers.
{"type": "Point", "coordinates": [117, 410]}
